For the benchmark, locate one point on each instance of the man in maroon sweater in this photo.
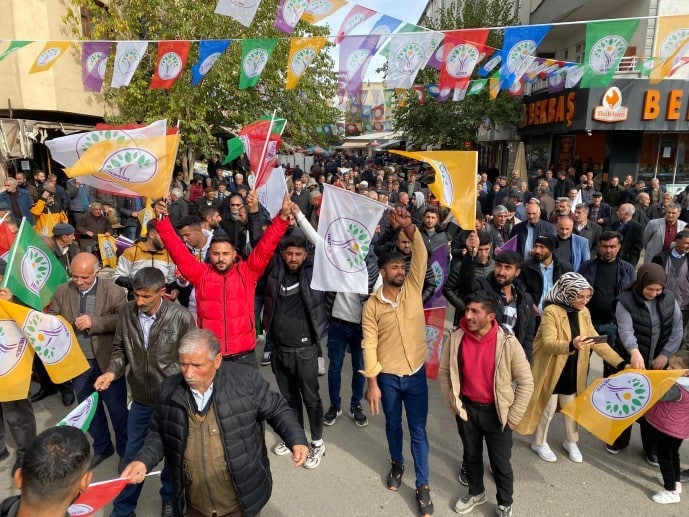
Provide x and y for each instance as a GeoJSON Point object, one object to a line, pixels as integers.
{"type": "Point", "coordinates": [226, 286]}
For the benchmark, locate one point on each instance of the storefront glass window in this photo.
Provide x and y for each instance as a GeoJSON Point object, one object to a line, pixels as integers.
{"type": "Point", "coordinates": [668, 153]}
{"type": "Point", "coordinates": [538, 152]}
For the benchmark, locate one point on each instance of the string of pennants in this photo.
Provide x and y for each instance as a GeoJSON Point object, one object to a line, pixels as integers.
{"type": "Point", "coordinates": [407, 47]}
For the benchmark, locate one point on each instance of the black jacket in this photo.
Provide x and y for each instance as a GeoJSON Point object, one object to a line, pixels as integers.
{"type": "Point", "coordinates": [521, 231]}
{"type": "Point", "coordinates": [242, 400]}
{"type": "Point", "coordinates": [632, 242]}
{"type": "Point", "coordinates": [533, 280]}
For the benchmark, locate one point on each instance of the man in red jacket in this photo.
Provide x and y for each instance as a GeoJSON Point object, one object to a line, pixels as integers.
{"type": "Point", "coordinates": [225, 288]}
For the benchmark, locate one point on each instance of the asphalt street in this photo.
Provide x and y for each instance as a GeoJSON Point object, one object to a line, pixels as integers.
{"type": "Point", "coordinates": [350, 479]}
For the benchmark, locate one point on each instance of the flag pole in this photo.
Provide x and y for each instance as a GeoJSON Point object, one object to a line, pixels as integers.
{"type": "Point", "coordinates": [265, 144]}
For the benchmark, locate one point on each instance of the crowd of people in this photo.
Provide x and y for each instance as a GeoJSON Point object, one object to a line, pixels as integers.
{"type": "Point", "coordinates": [547, 276]}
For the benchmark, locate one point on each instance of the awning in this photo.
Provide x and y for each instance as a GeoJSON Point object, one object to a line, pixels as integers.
{"type": "Point", "coordinates": [386, 145]}
{"type": "Point", "coordinates": [354, 145]}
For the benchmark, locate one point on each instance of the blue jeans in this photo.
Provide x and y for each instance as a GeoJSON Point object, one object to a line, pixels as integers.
{"type": "Point", "coordinates": [137, 428]}
{"type": "Point", "coordinates": [115, 399]}
{"type": "Point", "coordinates": [130, 232]}
{"type": "Point", "coordinates": [340, 334]}
{"type": "Point", "coordinates": [412, 391]}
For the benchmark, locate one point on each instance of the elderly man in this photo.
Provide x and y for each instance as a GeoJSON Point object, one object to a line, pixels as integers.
{"type": "Point", "coordinates": [65, 246]}
{"type": "Point", "coordinates": [600, 212]}
{"type": "Point", "coordinates": [562, 209]}
{"type": "Point", "coordinates": [210, 393]}
{"type": "Point", "coordinates": [585, 228]}
{"type": "Point", "coordinates": [642, 209]}
{"type": "Point", "coordinates": [571, 248]}
{"type": "Point", "coordinates": [660, 233]}
{"type": "Point", "coordinates": [632, 234]}
{"type": "Point", "coordinates": [657, 209]}
{"type": "Point", "coordinates": [177, 207]}
{"type": "Point", "coordinates": [527, 231]}
{"type": "Point", "coordinates": [92, 305]}
{"type": "Point", "coordinates": [91, 224]}
{"type": "Point", "coordinates": [18, 200]}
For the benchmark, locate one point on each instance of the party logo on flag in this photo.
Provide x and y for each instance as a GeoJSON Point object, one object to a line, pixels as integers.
{"type": "Point", "coordinates": [80, 509]}
{"type": "Point", "coordinates": [170, 66]}
{"type": "Point", "coordinates": [622, 396]}
{"type": "Point", "coordinates": [208, 63]}
{"type": "Point", "coordinates": [301, 60]}
{"type": "Point", "coordinates": [35, 269]}
{"type": "Point", "coordinates": [446, 181]}
{"type": "Point", "coordinates": [12, 346]}
{"type": "Point", "coordinates": [461, 60]}
{"type": "Point", "coordinates": [612, 109]}
{"type": "Point", "coordinates": [82, 415]}
{"type": "Point", "coordinates": [408, 58]}
{"type": "Point", "coordinates": [292, 10]}
{"type": "Point", "coordinates": [319, 7]}
{"type": "Point", "coordinates": [128, 61]}
{"type": "Point", "coordinates": [519, 54]}
{"type": "Point", "coordinates": [254, 62]}
{"type": "Point", "coordinates": [346, 244]}
{"type": "Point", "coordinates": [673, 41]}
{"type": "Point", "coordinates": [606, 52]}
{"type": "Point", "coordinates": [131, 165]}
{"type": "Point", "coordinates": [50, 337]}
{"type": "Point", "coordinates": [48, 55]}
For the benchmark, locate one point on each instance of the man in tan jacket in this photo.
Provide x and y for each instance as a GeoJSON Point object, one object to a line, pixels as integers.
{"type": "Point", "coordinates": [478, 368]}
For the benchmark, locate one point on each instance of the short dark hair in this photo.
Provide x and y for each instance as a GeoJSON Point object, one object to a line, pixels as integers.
{"type": "Point", "coordinates": [485, 298]}
{"type": "Point", "coordinates": [222, 239]}
{"type": "Point", "coordinates": [54, 463]}
{"type": "Point", "coordinates": [293, 241]}
{"type": "Point", "coordinates": [205, 211]}
{"type": "Point", "coordinates": [190, 220]}
{"type": "Point", "coordinates": [684, 234]}
{"type": "Point", "coordinates": [148, 278]}
{"type": "Point", "coordinates": [151, 226]}
{"type": "Point", "coordinates": [511, 258]}
{"type": "Point", "coordinates": [430, 209]}
{"type": "Point", "coordinates": [390, 256]}
{"type": "Point", "coordinates": [609, 235]}
{"type": "Point", "coordinates": [484, 238]}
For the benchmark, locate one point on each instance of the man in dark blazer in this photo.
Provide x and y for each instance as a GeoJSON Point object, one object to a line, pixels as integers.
{"type": "Point", "coordinates": [529, 230]}
{"type": "Point", "coordinates": [632, 234]}
{"type": "Point", "coordinates": [600, 212]}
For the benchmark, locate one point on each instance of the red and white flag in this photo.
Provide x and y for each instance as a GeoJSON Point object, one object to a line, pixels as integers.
{"type": "Point", "coordinates": [96, 497]}
{"type": "Point", "coordinates": [261, 146]}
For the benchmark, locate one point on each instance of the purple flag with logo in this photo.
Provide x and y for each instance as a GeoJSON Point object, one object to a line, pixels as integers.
{"type": "Point", "coordinates": [289, 13]}
{"type": "Point", "coordinates": [94, 58]}
{"type": "Point", "coordinates": [510, 245]}
{"type": "Point", "coordinates": [439, 265]}
{"type": "Point", "coordinates": [355, 54]}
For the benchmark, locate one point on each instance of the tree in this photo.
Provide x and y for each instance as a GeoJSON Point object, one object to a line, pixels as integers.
{"type": "Point", "coordinates": [449, 124]}
{"type": "Point", "coordinates": [217, 102]}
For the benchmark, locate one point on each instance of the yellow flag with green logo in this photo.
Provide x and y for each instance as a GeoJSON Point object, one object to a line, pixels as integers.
{"type": "Point", "coordinates": [52, 51]}
{"type": "Point", "coordinates": [16, 360]}
{"type": "Point", "coordinates": [608, 406]}
{"type": "Point", "coordinates": [108, 250]}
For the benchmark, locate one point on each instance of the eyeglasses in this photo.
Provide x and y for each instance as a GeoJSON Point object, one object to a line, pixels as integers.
{"type": "Point", "coordinates": [235, 204]}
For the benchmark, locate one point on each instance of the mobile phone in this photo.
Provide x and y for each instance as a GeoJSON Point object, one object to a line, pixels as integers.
{"type": "Point", "coordinates": [599, 339]}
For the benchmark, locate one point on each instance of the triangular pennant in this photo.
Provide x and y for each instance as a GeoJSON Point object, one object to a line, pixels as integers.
{"type": "Point", "coordinates": [319, 9]}
{"type": "Point", "coordinates": [408, 54]}
{"type": "Point", "coordinates": [52, 51]}
{"type": "Point", "coordinates": [209, 52]}
{"type": "Point", "coordinates": [255, 55]}
{"type": "Point", "coordinates": [356, 16]}
{"type": "Point", "coordinates": [172, 56]}
{"type": "Point", "coordinates": [241, 10]}
{"type": "Point", "coordinates": [302, 52]}
{"type": "Point", "coordinates": [127, 58]}
{"type": "Point", "coordinates": [14, 46]}
{"type": "Point", "coordinates": [94, 60]}
{"type": "Point", "coordinates": [606, 44]}
{"type": "Point", "coordinates": [288, 14]}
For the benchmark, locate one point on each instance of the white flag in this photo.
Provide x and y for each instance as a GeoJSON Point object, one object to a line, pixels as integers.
{"type": "Point", "coordinates": [574, 75]}
{"type": "Point", "coordinates": [241, 10]}
{"type": "Point", "coordinates": [127, 59]}
{"type": "Point", "coordinates": [577, 200]}
{"type": "Point", "coordinates": [273, 191]}
{"type": "Point", "coordinates": [408, 54]}
{"type": "Point", "coordinates": [346, 228]}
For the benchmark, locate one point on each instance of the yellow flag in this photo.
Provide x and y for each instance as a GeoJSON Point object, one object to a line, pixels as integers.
{"type": "Point", "coordinates": [609, 406]}
{"type": "Point", "coordinates": [16, 360]}
{"type": "Point", "coordinates": [108, 250]}
{"type": "Point", "coordinates": [144, 166]}
{"type": "Point", "coordinates": [52, 51]}
{"type": "Point", "coordinates": [52, 338]}
{"type": "Point", "coordinates": [455, 181]}
{"type": "Point", "coordinates": [144, 216]}
{"type": "Point", "coordinates": [319, 9]}
{"type": "Point", "coordinates": [664, 67]}
{"type": "Point", "coordinates": [302, 52]}
{"type": "Point", "coordinates": [494, 86]}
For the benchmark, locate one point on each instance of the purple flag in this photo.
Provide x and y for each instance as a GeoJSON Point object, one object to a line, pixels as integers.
{"type": "Point", "coordinates": [556, 82]}
{"type": "Point", "coordinates": [510, 245]}
{"type": "Point", "coordinates": [438, 264]}
{"type": "Point", "coordinates": [289, 13]}
{"type": "Point", "coordinates": [355, 54]}
{"type": "Point", "coordinates": [94, 58]}
{"type": "Point", "coordinates": [437, 58]}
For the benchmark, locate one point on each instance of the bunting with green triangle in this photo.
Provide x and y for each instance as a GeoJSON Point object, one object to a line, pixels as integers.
{"type": "Point", "coordinates": [606, 43]}
{"type": "Point", "coordinates": [255, 55]}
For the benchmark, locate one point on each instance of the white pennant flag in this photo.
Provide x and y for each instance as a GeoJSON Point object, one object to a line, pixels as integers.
{"type": "Point", "coordinates": [241, 10]}
{"type": "Point", "coordinates": [577, 200]}
{"type": "Point", "coordinates": [408, 54]}
{"type": "Point", "coordinates": [574, 75]}
{"type": "Point", "coordinates": [346, 227]}
{"type": "Point", "coordinates": [127, 59]}
{"type": "Point", "coordinates": [273, 191]}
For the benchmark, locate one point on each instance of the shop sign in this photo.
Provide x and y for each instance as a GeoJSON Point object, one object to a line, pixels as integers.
{"type": "Point", "coordinates": [652, 105]}
{"type": "Point", "coordinates": [611, 109]}
{"type": "Point", "coordinates": [551, 110]}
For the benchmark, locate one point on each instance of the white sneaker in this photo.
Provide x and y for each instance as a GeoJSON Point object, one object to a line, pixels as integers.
{"type": "Point", "coordinates": [321, 366]}
{"type": "Point", "coordinates": [678, 487]}
{"type": "Point", "coordinates": [544, 452]}
{"type": "Point", "coordinates": [316, 452]}
{"type": "Point", "coordinates": [281, 449]}
{"type": "Point", "coordinates": [666, 497]}
{"type": "Point", "coordinates": [574, 452]}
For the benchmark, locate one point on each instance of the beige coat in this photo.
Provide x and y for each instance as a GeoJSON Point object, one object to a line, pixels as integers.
{"type": "Point", "coordinates": [550, 352]}
{"type": "Point", "coordinates": [510, 365]}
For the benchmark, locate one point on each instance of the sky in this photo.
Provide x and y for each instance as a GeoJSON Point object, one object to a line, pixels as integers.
{"type": "Point", "coordinates": [405, 10]}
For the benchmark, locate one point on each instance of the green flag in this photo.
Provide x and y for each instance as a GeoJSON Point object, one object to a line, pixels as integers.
{"type": "Point", "coordinates": [606, 43]}
{"type": "Point", "coordinates": [279, 124]}
{"type": "Point", "coordinates": [255, 55]}
{"type": "Point", "coordinates": [476, 86]}
{"type": "Point", "coordinates": [81, 416]}
{"type": "Point", "coordinates": [33, 271]}
{"type": "Point", "coordinates": [14, 46]}
{"type": "Point", "coordinates": [407, 27]}
{"type": "Point", "coordinates": [235, 148]}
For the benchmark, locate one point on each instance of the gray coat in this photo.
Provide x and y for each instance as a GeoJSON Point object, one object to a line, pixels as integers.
{"type": "Point", "coordinates": [654, 235]}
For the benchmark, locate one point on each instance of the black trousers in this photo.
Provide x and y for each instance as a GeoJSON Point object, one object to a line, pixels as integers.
{"type": "Point", "coordinates": [21, 422]}
{"type": "Point", "coordinates": [647, 437]}
{"type": "Point", "coordinates": [668, 457]}
{"type": "Point", "coordinates": [296, 372]}
{"type": "Point", "coordinates": [482, 424]}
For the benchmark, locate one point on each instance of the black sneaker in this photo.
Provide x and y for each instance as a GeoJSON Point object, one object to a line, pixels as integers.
{"type": "Point", "coordinates": [652, 459]}
{"type": "Point", "coordinates": [357, 413]}
{"type": "Point", "coordinates": [463, 479]}
{"type": "Point", "coordinates": [395, 476]}
{"type": "Point", "coordinates": [423, 498]}
{"type": "Point", "coordinates": [333, 413]}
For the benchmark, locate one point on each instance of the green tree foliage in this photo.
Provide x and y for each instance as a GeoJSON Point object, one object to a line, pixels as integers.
{"type": "Point", "coordinates": [217, 101]}
{"type": "Point", "coordinates": [449, 124]}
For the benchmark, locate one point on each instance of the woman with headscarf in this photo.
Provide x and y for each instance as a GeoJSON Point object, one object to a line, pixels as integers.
{"type": "Point", "coordinates": [649, 324]}
{"type": "Point", "coordinates": [561, 352]}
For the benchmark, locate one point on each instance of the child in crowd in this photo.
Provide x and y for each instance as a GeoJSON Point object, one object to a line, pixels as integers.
{"type": "Point", "coordinates": [670, 421]}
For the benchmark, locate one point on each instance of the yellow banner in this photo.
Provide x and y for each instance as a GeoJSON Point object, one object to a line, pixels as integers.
{"type": "Point", "coordinates": [52, 51]}
{"type": "Point", "coordinates": [52, 338]}
{"type": "Point", "coordinates": [144, 216]}
{"type": "Point", "coordinates": [609, 406]}
{"type": "Point", "coordinates": [16, 359]}
{"type": "Point", "coordinates": [144, 166]}
{"type": "Point", "coordinates": [317, 10]}
{"type": "Point", "coordinates": [455, 181]}
{"type": "Point", "coordinates": [302, 52]}
{"type": "Point", "coordinates": [108, 250]}
{"type": "Point", "coordinates": [671, 32]}
{"type": "Point", "coordinates": [665, 67]}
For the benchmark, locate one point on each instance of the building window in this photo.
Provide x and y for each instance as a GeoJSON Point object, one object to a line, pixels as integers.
{"type": "Point", "coordinates": [86, 21]}
{"type": "Point", "coordinates": [578, 52]}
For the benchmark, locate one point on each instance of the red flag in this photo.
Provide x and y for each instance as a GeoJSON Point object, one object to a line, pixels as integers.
{"type": "Point", "coordinates": [6, 238]}
{"type": "Point", "coordinates": [172, 56]}
{"type": "Point", "coordinates": [462, 50]}
{"type": "Point", "coordinates": [96, 497]}
{"type": "Point", "coordinates": [254, 137]}
{"type": "Point", "coordinates": [435, 325]}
